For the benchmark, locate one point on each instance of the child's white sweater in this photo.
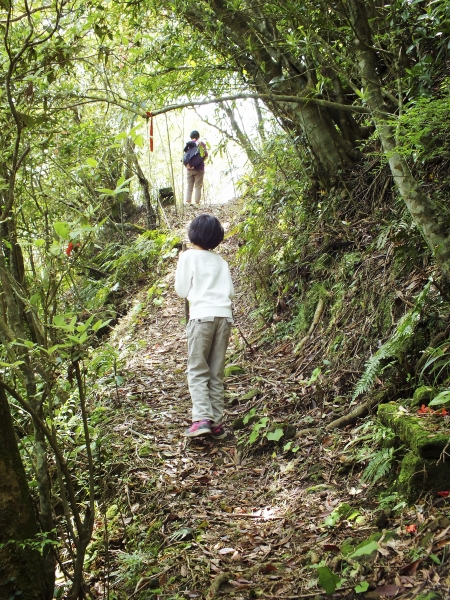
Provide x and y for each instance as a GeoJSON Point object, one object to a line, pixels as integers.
{"type": "Point", "coordinates": [203, 277]}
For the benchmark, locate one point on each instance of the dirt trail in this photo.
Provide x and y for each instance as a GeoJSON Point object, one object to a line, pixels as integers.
{"type": "Point", "coordinates": [224, 518]}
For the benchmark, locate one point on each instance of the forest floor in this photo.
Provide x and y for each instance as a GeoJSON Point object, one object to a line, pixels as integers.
{"type": "Point", "coordinates": [204, 518]}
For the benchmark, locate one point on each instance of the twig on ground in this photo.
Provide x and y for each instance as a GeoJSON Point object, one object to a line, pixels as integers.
{"type": "Point", "coordinates": [317, 314]}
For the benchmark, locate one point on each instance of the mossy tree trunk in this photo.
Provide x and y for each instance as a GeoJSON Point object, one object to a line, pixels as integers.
{"type": "Point", "coordinates": [432, 221]}
{"type": "Point", "coordinates": [21, 568]}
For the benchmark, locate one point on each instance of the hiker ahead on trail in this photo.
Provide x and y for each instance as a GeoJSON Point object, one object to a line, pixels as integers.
{"type": "Point", "coordinates": [204, 278]}
{"type": "Point", "coordinates": [195, 154]}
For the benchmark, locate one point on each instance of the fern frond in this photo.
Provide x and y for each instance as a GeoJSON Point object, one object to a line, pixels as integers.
{"type": "Point", "coordinates": [379, 466]}
{"type": "Point", "coordinates": [394, 346]}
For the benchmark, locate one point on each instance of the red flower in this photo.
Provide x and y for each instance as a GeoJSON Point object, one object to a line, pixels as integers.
{"type": "Point", "coordinates": [411, 528]}
{"type": "Point", "coordinates": [443, 494]}
{"type": "Point", "coordinates": [69, 249]}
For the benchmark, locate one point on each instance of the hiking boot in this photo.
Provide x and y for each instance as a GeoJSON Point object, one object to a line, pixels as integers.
{"type": "Point", "coordinates": [198, 428]}
{"type": "Point", "coordinates": [218, 431]}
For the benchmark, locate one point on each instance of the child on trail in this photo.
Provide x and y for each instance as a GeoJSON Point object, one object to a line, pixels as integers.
{"type": "Point", "coordinates": [203, 277]}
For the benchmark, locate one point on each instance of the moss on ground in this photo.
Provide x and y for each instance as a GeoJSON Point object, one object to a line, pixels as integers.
{"type": "Point", "coordinates": [423, 395]}
{"type": "Point", "coordinates": [413, 431]}
{"type": "Point", "coordinates": [419, 475]}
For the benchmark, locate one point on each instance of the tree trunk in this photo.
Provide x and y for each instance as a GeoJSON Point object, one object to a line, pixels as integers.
{"type": "Point", "coordinates": [21, 567]}
{"type": "Point", "coordinates": [432, 221]}
{"type": "Point", "coordinates": [143, 182]}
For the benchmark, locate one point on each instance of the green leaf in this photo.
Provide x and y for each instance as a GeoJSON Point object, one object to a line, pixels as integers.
{"type": "Point", "coordinates": [99, 324]}
{"type": "Point", "coordinates": [332, 519]}
{"type": "Point", "coordinates": [274, 436]}
{"type": "Point", "coordinates": [59, 321]}
{"type": "Point", "coordinates": [364, 550]}
{"type": "Point", "coordinates": [361, 587]}
{"type": "Point", "coordinates": [442, 398]}
{"type": "Point", "coordinates": [256, 427]}
{"type": "Point", "coordinates": [55, 248]}
{"type": "Point", "coordinates": [107, 191]}
{"type": "Point", "coordinates": [139, 141]}
{"type": "Point", "coordinates": [13, 365]}
{"type": "Point", "coordinates": [91, 162]}
{"type": "Point", "coordinates": [121, 183]}
{"type": "Point", "coordinates": [39, 243]}
{"type": "Point", "coordinates": [353, 516]}
{"type": "Point", "coordinates": [436, 559]}
{"type": "Point", "coordinates": [251, 413]}
{"type": "Point", "coordinates": [62, 229]}
{"type": "Point", "coordinates": [327, 579]}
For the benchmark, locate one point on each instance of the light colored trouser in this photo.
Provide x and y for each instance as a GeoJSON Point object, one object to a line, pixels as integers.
{"type": "Point", "coordinates": [194, 182]}
{"type": "Point", "coordinates": [207, 345]}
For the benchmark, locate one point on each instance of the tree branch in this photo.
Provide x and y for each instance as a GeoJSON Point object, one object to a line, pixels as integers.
{"type": "Point", "coordinates": [241, 96]}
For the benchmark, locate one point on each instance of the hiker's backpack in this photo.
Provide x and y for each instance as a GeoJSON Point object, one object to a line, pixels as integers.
{"type": "Point", "coordinates": [192, 156]}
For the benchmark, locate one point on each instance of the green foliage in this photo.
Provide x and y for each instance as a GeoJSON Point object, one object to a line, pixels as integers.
{"type": "Point", "coordinates": [437, 364]}
{"type": "Point", "coordinates": [442, 399]}
{"type": "Point", "coordinates": [361, 587]}
{"type": "Point", "coordinates": [343, 511]}
{"type": "Point", "coordinates": [327, 579]}
{"type": "Point", "coordinates": [259, 429]}
{"type": "Point", "coordinates": [394, 347]}
{"type": "Point", "coordinates": [364, 549]}
{"type": "Point", "coordinates": [376, 450]}
{"type": "Point", "coordinates": [39, 542]}
{"type": "Point", "coordinates": [424, 127]}
{"type": "Point", "coordinates": [380, 463]}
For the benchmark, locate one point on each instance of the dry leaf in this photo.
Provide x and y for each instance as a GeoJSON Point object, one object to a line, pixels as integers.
{"type": "Point", "coordinates": [331, 548]}
{"type": "Point", "coordinates": [268, 568]}
{"type": "Point", "coordinates": [389, 590]}
{"type": "Point", "coordinates": [226, 550]}
{"type": "Point", "coordinates": [411, 568]}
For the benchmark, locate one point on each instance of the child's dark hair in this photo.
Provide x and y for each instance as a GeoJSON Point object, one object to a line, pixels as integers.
{"type": "Point", "coordinates": [206, 231]}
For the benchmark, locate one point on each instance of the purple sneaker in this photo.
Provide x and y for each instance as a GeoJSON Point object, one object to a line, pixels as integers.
{"type": "Point", "coordinates": [198, 428]}
{"type": "Point", "coordinates": [218, 432]}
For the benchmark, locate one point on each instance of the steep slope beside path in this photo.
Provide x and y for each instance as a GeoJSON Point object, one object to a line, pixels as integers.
{"type": "Point", "coordinates": [205, 518]}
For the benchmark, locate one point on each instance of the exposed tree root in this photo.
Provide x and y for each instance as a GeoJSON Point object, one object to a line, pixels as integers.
{"type": "Point", "coordinates": [218, 581]}
{"type": "Point", "coordinates": [360, 411]}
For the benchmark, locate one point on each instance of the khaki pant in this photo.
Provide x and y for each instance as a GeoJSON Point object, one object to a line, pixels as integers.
{"type": "Point", "coordinates": [194, 180]}
{"type": "Point", "coordinates": [207, 345]}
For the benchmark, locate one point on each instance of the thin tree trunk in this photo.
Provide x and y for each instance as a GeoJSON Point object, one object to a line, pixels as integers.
{"type": "Point", "coordinates": [241, 136]}
{"type": "Point", "coordinates": [143, 182]}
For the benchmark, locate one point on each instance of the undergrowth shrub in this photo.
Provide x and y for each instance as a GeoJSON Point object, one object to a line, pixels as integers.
{"type": "Point", "coordinates": [125, 264]}
{"type": "Point", "coordinates": [394, 347]}
{"type": "Point", "coordinates": [372, 447]}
